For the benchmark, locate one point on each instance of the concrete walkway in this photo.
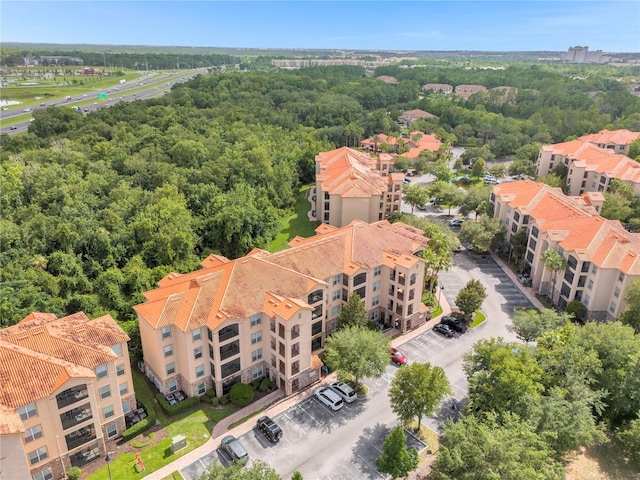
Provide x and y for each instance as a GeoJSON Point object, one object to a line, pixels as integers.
{"type": "Point", "coordinates": [526, 291]}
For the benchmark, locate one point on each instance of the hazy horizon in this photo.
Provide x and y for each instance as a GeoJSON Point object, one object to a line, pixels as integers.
{"type": "Point", "coordinates": [497, 26]}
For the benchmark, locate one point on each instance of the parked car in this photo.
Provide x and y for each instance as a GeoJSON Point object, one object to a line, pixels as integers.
{"type": "Point", "coordinates": [328, 397]}
{"type": "Point", "coordinates": [456, 222]}
{"type": "Point", "coordinates": [454, 324]}
{"type": "Point", "coordinates": [444, 330]}
{"type": "Point", "coordinates": [345, 391]}
{"type": "Point", "coordinates": [491, 181]}
{"type": "Point", "coordinates": [398, 357]}
{"type": "Point", "coordinates": [232, 447]}
{"type": "Point", "coordinates": [406, 180]}
{"type": "Point", "coordinates": [270, 428]}
{"type": "Point", "coordinates": [13, 127]}
{"type": "Point", "coordinates": [26, 110]}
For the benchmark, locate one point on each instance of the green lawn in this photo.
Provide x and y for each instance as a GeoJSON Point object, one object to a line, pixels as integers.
{"type": "Point", "coordinates": [480, 319]}
{"type": "Point", "coordinates": [195, 424]}
{"type": "Point", "coordinates": [297, 224]}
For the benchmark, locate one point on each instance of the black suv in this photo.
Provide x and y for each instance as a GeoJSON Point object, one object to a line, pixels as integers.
{"type": "Point", "coordinates": [456, 324]}
{"type": "Point", "coordinates": [270, 429]}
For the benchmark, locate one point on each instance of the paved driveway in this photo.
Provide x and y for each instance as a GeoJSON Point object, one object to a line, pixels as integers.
{"type": "Point", "coordinates": [320, 443]}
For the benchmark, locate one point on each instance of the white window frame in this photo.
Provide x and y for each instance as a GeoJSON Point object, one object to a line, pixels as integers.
{"type": "Point", "coordinates": [102, 371]}
{"type": "Point", "coordinates": [257, 372]}
{"type": "Point", "coordinates": [256, 319]}
{"type": "Point", "coordinates": [199, 371]}
{"type": "Point", "coordinates": [173, 385]}
{"type": "Point", "coordinates": [173, 368]}
{"type": "Point", "coordinates": [197, 353]}
{"type": "Point", "coordinates": [256, 355]}
{"type": "Point", "coordinates": [109, 431]}
{"type": "Point", "coordinates": [33, 433]}
{"type": "Point", "coordinates": [120, 369]}
{"type": "Point", "coordinates": [202, 387]}
{"type": "Point", "coordinates": [28, 411]}
{"type": "Point", "coordinates": [256, 337]}
{"type": "Point", "coordinates": [166, 332]}
{"type": "Point", "coordinates": [108, 411]}
{"type": "Point", "coordinates": [168, 350]}
{"type": "Point", "coordinates": [126, 388]}
{"type": "Point", "coordinates": [103, 391]}
{"type": "Point", "coordinates": [45, 474]}
{"type": "Point", "coordinates": [40, 454]}
{"type": "Point", "coordinates": [117, 349]}
{"type": "Point", "coordinates": [196, 335]}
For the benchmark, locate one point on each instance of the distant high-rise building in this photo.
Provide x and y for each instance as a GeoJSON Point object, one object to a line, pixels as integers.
{"type": "Point", "coordinates": [583, 55]}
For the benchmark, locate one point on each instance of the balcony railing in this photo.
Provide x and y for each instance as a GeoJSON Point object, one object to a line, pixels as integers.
{"type": "Point", "coordinates": [71, 396]}
{"type": "Point", "coordinates": [76, 416]}
{"type": "Point", "coordinates": [83, 457]}
{"type": "Point", "coordinates": [80, 437]}
{"type": "Point", "coordinates": [295, 370]}
{"type": "Point", "coordinates": [295, 332]}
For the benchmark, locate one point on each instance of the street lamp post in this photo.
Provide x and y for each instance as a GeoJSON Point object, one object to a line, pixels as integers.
{"type": "Point", "coordinates": [439, 292]}
{"type": "Point", "coordinates": [108, 459]}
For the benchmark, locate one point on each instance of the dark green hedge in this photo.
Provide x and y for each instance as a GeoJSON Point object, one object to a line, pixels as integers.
{"type": "Point", "coordinates": [178, 407]}
{"type": "Point", "coordinates": [142, 425]}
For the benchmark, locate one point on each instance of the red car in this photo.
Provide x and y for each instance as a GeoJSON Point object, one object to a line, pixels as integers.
{"type": "Point", "coordinates": [398, 357]}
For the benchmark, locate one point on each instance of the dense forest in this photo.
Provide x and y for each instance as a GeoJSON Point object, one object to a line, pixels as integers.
{"type": "Point", "coordinates": [96, 208]}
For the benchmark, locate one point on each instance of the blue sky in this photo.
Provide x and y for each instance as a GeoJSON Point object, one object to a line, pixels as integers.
{"type": "Point", "coordinates": [380, 25]}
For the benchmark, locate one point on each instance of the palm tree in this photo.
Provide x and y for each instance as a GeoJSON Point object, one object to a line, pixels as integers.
{"type": "Point", "coordinates": [554, 262]}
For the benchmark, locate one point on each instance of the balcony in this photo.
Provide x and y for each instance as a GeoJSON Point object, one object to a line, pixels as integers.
{"type": "Point", "coordinates": [80, 437]}
{"type": "Point", "coordinates": [71, 396]}
{"type": "Point", "coordinates": [295, 332]}
{"type": "Point", "coordinates": [295, 350]}
{"type": "Point", "coordinates": [76, 416]}
{"type": "Point", "coordinates": [85, 456]}
{"type": "Point", "coordinates": [317, 312]}
{"type": "Point", "coordinates": [401, 278]}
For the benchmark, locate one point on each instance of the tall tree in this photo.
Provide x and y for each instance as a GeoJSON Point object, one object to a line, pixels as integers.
{"type": "Point", "coordinates": [417, 390]}
{"type": "Point", "coordinates": [470, 297]}
{"type": "Point", "coordinates": [482, 233]}
{"type": "Point", "coordinates": [396, 459]}
{"type": "Point", "coordinates": [555, 263]}
{"type": "Point", "coordinates": [504, 449]}
{"type": "Point", "coordinates": [258, 470]}
{"type": "Point", "coordinates": [358, 351]}
{"type": "Point", "coordinates": [353, 313]}
{"type": "Point", "coordinates": [631, 314]}
{"type": "Point", "coordinates": [415, 195]}
{"type": "Point", "coordinates": [529, 325]}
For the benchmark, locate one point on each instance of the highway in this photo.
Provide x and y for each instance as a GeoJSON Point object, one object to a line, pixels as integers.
{"type": "Point", "coordinates": [158, 84]}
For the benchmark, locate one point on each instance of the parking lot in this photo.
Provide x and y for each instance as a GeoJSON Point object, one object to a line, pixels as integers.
{"type": "Point", "coordinates": [310, 427]}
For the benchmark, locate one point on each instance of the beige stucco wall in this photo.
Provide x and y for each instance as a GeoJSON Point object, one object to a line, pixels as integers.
{"type": "Point", "coordinates": [13, 463]}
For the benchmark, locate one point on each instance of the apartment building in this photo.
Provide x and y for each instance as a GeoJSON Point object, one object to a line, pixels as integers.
{"type": "Point", "coordinates": [410, 117]}
{"type": "Point", "coordinates": [438, 88]}
{"type": "Point", "coordinates": [66, 385]}
{"type": "Point", "coordinates": [406, 145]}
{"type": "Point", "coordinates": [268, 315]}
{"type": "Point", "coordinates": [592, 161]}
{"type": "Point", "coordinates": [467, 90]}
{"type": "Point", "coordinates": [352, 185]}
{"type": "Point", "coordinates": [602, 257]}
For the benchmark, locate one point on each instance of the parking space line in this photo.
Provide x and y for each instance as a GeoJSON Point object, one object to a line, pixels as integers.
{"type": "Point", "coordinates": [371, 465]}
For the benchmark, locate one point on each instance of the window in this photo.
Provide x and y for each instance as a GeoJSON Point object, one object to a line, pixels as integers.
{"type": "Point", "coordinates": [532, 244]}
{"type": "Point", "coordinates": [202, 387]}
{"type": "Point", "coordinates": [572, 262]}
{"type": "Point", "coordinates": [412, 279]}
{"type": "Point", "coordinates": [32, 434]}
{"type": "Point", "coordinates": [199, 371]}
{"type": "Point", "coordinates": [612, 307]}
{"type": "Point", "coordinates": [228, 332]}
{"type": "Point", "coordinates": [209, 334]}
{"type": "Point", "coordinates": [168, 350]}
{"type": "Point", "coordinates": [514, 227]}
{"type": "Point", "coordinates": [107, 412]}
{"type": "Point", "coordinates": [586, 299]}
{"type": "Point", "coordinates": [335, 310]}
{"type": "Point", "coordinates": [295, 331]}
{"type": "Point", "coordinates": [590, 285]}
{"type": "Point", "coordinates": [45, 474]}
{"type": "Point", "coordinates": [112, 430]}
{"type": "Point", "coordinates": [166, 332]}
{"type": "Point", "coordinates": [230, 368]}
{"type": "Point", "coordinates": [211, 351]}
{"type": "Point", "coordinates": [105, 392]}
{"type": "Point", "coordinates": [230, 349]}
{"type": "Point", "coordinates": [594, 269]}
{"type": "Point", "coordinates": [585, 267]}
{"type": "Point", "coordinates": [256, 337]}
{"type": "Point", "coordinates": [516, 217]}
{"type": "Point", "coordinates": [336, 295]}
{"type": "Point", "coordinates": [101, 371]}
{"type": "Point", "coordinates": [124, 388]}
{"type": "Point", "coordinates": [337, 279]}
{"type": "Point", "coordinates": [376, 286]}
{"type": "Point", "coordinates": [212, 369]}
{"type": "Point", "coordinates": [316, 328]}
{"type": "Point", "coordinates": [197, 352]}
{"type": "Point", "coordinates": [621, 277]}
{"type": "Point", "coordinates": [377, 271]}
{"type": "Point", "coordinates": [256, 319]}
{"type": "Point", "coordinates": [256, 355]}
{"type": "Point", "coordinates": [534, 231]}
{"type": "Point", "coordinates": [359, 279]}
{"type": "Point", "coordinates": [375, 315]}
{"type": "Point", "coordinates": [126, 407]}
{"type": "Point", "coordinates": [362, 292]}
{"type": "Point", "coordinates": [171, 368]}
{"type": "Point", "coordinates": [120, 369]}
{"type": "Point", "coordinates": [530, 256]}
{"type": "Point", "coordinates": [616, 292]}
{"type": "Point", "coordinates": [257, 372]}
{"type": "Point", "coordinates": [375, 301]}
{"type": "Point", "coordinates": [28, 411]}
{"type": "Point", "coordinates": [117, 349]}
{"type": "Point", "coordinates": [38, 455]}
{"type": "Point", "coordinates": [173, 385]}
{"type": "Point", "coordinates": [196, 335]}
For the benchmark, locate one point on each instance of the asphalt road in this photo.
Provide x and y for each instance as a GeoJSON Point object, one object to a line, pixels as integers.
{"type": "Point", "coordinates": [115, 94]}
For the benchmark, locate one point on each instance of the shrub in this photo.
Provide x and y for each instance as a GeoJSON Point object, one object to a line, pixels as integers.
{"type": "Point", "coordinates": [241, 394]}
{"type": "Point", "coordinates": [265, 384]}
{"type": "Point", "coordinates": [142, 425]}
{"type": "Point", "coordinates": [215, 401]}
{"type": "Point", "coordinates": [178, 407]}
{"type": "Point", "coordinates": [137, 444]}
{"type": "Point", "coordinates": [74, 473]}
{"type": "Point", "coordinates": [224, 399]}
{"type": "Point", "coordinates": [256, 383]}
{"type": "Point", "coordinates": [578, 310]}
{"type": "Point", "coordinates": [211, 393]}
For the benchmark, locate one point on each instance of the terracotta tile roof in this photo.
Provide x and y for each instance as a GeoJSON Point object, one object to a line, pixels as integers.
{"type": "Point", "coordinates": [349, 173]}
{"type": "Point", "coordinates": [387, 79]}
{"type": "Point", "coordinates": [316, 362]}
{"type": "Point", "coordinates": [575, 225]}
{"type": "Point", "coordinates": [437, 87]}
{"type": "Point", "coordinates": [418, 144]}
{"type": "Point", "coordinates": [233, 289]}
{"type": "Point", "coordinates": [607, 137]}
{"type": "Point", "coordinates": [351, 248]}
{"type": "Point", "coordinates": [417, 113]}
{"type": "Point", "coordinates": [283, 307]}
{"type": "Point", "coordinates": [27, 375]}
{"type": "Point", "coordinates": [74, 339]}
